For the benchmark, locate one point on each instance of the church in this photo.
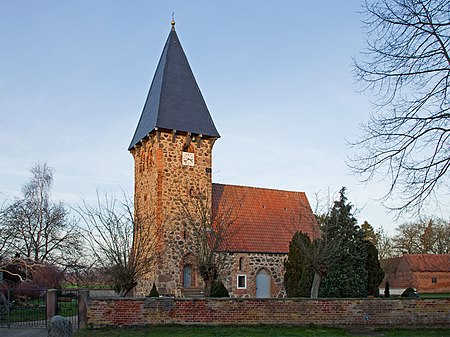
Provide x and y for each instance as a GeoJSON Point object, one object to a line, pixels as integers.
{"type": "Point", "coordinates": [172, 150]}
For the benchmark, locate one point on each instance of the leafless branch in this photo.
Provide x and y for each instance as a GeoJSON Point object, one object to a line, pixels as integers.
{"type": "Point", "coordinates": [118, 241]}
{"type": "Point", "coordinates": [407, 67]}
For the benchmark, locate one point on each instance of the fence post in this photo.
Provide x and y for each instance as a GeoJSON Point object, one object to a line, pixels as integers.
{"type": "Point", "coordinates": [82, 308]}
{"type": "Point", "coordinates": [52, 303]}
{"type": "Point", "coordinates": [8, 308]}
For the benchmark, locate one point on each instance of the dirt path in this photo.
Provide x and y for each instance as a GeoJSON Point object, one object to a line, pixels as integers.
{"type": "Point", "coordinates": [23, 332]}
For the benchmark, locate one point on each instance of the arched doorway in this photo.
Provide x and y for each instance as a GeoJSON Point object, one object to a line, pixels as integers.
{"type": "Point", "coordinates": [263, 284]}
{"type": "Point", "coordinates": [187, 276]}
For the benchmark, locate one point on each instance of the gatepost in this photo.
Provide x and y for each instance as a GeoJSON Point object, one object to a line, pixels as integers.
{"type": "Point", "coordinates": [82, 308]}
{"type": "Point", "coordinates": [52, 303]}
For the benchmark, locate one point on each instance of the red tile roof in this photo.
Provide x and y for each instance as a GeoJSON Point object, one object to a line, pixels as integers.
{"type": "Point", "coordinates": [417, 263]}
{"type": "Point", "coordinates": [264, 219]}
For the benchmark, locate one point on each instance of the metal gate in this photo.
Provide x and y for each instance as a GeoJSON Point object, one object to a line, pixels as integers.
{"type": "Point", "coordinates": [68, 305]}
{"type": "Point", "coordinates": [22, 308]}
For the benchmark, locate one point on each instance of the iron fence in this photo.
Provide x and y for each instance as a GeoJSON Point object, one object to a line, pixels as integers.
{"type": "Point", "coordinates": [22, 307]}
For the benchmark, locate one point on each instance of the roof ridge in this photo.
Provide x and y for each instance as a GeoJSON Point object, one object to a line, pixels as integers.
{"type": "Point", "coordinates": [260, 188]}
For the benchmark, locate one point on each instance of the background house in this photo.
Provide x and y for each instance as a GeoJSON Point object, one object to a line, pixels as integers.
{"type": "Point", "coordinates": [427, 273]}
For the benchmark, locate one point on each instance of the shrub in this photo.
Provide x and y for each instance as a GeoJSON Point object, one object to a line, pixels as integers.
{"type": "Point", "coordinates": [409, 292]}
{"type": "Point", "coordinates": [154, 291]}
{"type": "Point", "coordinates": [47, 276]}
{"type": "Point", "coordinates": [27, 290]}
{"type": "Point", "coordinates": [219, 290]}
{"type": "Point", "coordinates": [387, 293]}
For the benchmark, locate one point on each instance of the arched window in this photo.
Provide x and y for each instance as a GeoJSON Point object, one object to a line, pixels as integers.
{"type": "Point", "coordinates": [187, 276]}
{"type": "Point", "coordinates": [262, 284]}
{"type": "Point", "coordinates": [241, 263]}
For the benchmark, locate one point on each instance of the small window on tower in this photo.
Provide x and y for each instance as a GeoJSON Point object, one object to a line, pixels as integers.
{"type": "Point", "coordinates": [434, 280]}
{"type": "Point", "coordinates": [241, 281]}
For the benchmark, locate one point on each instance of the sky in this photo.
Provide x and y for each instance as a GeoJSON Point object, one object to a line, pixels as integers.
{"type": "Point", "coordinates": [277, 77]}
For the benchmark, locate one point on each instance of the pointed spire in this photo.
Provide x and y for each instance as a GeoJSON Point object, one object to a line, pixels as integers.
{"type": "Point", "coordinates": [174, 101]}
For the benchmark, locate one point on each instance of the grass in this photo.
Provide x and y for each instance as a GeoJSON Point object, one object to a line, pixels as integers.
{"type": "Point", "coordinates": [34, 310]}
{"type": "Point", "coordinates": [438, 295]}
{"type": "Point", "coordinates": [68, 309]}
{"type": "Point", "coordinates": [23, 315]}
{"type": "Point", "coordinates": [24, 311]}
{"type": "Point", "coordinates": [245, 331]}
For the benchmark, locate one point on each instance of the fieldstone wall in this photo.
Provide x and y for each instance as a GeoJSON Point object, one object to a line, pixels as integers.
{"type": "Point", "coordinates": [249, 266]}
{"type": "Point", "coordinates": [161, 184]}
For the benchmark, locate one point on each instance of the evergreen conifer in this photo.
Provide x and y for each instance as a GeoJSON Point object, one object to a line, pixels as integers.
{"type": "Point", "coordinates": [298, 274]}
{"type": "Point", "coordinates": [347, 276]}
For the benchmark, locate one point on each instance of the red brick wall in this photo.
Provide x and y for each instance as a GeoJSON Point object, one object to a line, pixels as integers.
{"type": "Point", "coordinates": [322, 312]}
{"type": "Point", "coordinates": [421, 281]}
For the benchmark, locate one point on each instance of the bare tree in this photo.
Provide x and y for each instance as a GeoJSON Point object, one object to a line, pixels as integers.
{"type": "Point", "coordinates": [408, 239]}
{"type": "Point", "coordinates": [384, 244]}
{"type": "Point", "coordinates": [423, 237]}
{"type": "Point", "coordinates": [119, 242]}
{"type": "Point", "coordinates": [441, 236]}
{"type": "Point", "coordinates": [208, 235]}
{"type": "Point", "coordinates": [16, 269]}
{"type": "Point", "coordinates": [6, 235]}
{"type": "Point", "coordinates": [34, 228]}
{"type": "Point", "coordinates": [407, 67]}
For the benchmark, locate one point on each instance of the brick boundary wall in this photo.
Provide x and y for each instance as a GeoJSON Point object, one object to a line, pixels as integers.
{"type": "Point", "coordinates": [371, 313]}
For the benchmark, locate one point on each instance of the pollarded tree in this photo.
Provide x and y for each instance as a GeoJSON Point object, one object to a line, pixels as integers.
{"type": "Point", "coordinates": [407, 67]}
{"type": "Point", "coordinates": [318, 258]}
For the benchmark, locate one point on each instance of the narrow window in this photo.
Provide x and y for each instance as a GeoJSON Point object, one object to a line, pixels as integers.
{"type": "Point", "coordinates": [241, 264]}
{"type": "Point", "coordinates": [434, 280]}
{"type": "Point", "coordinates": [187, 276]}
{"type": "Point", "coordinates": [241, 281]}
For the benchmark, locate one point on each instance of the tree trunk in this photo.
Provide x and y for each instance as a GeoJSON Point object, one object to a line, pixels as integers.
{"type": "Point", "coordinates": [208, 287]}
{"type": "Point", "coordinates": [316, 285]}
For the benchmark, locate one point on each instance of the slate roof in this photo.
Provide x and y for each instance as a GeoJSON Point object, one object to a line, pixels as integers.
{"type": "Point", "coordinates": [174, 101]}
{"type": "Point", "coordinates": [265, 219]}
{"type": "Point", "coordinates": [417, 263]}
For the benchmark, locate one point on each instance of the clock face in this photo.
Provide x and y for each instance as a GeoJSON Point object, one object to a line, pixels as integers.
{"type": "Point", "coordinates": [188, 159]}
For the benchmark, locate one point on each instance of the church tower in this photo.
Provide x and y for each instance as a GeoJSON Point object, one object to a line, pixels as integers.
{"type": "Point", "coordinates": [172, 151]}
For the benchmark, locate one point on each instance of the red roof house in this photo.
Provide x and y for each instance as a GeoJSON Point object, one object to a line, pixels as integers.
{"type": "Point", "coordinates": [264, 222]}
{"type": "Point", "coordinates": [427, 273]}
{"type": "Point", "coordinates": [264, 219]}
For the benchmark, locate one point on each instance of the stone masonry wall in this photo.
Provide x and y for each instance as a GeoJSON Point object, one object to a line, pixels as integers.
{"type": "Point", "coordinates": [252, 263]}
{"type": "Point", "coordinates": [162, 183]}
{"type": "Point", "coordinates": [411, 313]}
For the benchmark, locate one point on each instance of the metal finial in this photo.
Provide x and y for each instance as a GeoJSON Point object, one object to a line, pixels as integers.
{"type": "Point", "coordinates": [173, 21]}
